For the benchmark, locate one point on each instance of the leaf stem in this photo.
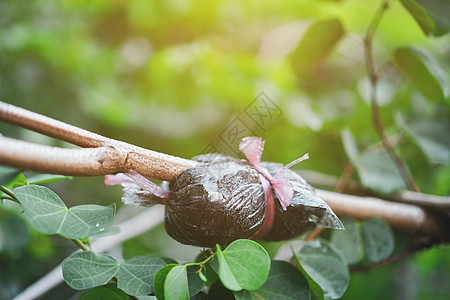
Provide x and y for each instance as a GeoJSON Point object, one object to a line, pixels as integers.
{"type": "Point", "coordinates": [8, 192]}
{"type": "Point", "coordinates": [373, 76]}
{"type": "Point", "coordinates": [81, 245]}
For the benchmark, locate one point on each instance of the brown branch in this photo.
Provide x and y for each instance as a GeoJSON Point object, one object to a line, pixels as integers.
{"type": "Point", "coordinates": [373, 76]}
{"type": "Point", "coordinates": [424, 200]}
{"type": "Point", "coordinates": [108, 156]}
{"type": "Point", "coordinates": [111, 156]}
{"type": "Point", "coordinates": [406, 217]}
{"type": "Point", "coordinates": [420, 199]}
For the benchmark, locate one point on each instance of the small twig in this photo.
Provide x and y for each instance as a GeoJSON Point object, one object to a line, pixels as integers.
{"type": "Point", "coordinates": [314, 234]}
{"type": "Point", "coordinates": [373, 76]}
{"type": "Point", "coordinates": [344, 180]}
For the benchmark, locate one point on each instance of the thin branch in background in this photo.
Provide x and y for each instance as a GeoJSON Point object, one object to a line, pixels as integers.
{"type": "Point", "coordinates": [344, 180]}
{"type": "Point", "coordinates": [373, 76]}
{"type": "Point", "coordinates": [391, 259]}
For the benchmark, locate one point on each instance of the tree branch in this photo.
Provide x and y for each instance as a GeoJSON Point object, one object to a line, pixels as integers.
{"type": "Point", "coordinates": [406, 217]}
{"type": "Point", "coordinates": [373, 76]}
{"type": "Point", "coordinates": [108, 156]}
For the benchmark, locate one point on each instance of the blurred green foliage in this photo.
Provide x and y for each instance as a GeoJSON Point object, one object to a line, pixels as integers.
{"type": "Point", "coordinates": [172, 76]}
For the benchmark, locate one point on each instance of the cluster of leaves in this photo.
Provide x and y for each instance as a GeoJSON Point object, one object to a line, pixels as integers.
{"type": "Point", "coordinates": [243, 267]}
{"type": "Point", "coordinates": [417, 67]}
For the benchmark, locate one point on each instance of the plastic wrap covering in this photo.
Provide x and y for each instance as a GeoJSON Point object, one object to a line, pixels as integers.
{"type": "Point", "coordinates": [223, 200]}
{"type": "Point", "coordinates": [215, 203]}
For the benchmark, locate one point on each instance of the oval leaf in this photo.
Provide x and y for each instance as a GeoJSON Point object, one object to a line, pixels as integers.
{"type": "Point", "coordinates": [378, 240]}
{"type": "Point", "coordinates": [420, 15]}
{"type": "Point", "coordinates": [431, 15]}
{"type": "Point", "coordinates": [325, 267]}
{"type": "Point", "coordinates": [84, 270]}
{"type": "Point", "coordinates": [176, 284]}
{"type": "Point", "coordinates": [46, 178]}
{"type": "Point", "coordinates": [348, 241]}
{"type": "Point", "coordinates": [160, 278]}
{"type": "Point", "coordinates": [43, 208]}
{"type": "Point", "coordinates": [316, 45]}
{"type": "Point", "coordinates": [431, 136]}
{"type": "Point", "coordinates": [244, 264]}
{"type": "Point", "coordinates": [379, 173]}
{"type": "Point", "coordinates": [135, 276]}
{"type": "Point", "coordinates": [85, 220]}
{"type": "Point", "coordinates": [421, 72]}
{"type": "Point", "coordinates": [284, 282]}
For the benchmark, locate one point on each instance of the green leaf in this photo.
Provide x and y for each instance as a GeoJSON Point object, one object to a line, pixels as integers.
{"type": "Point", "coordinates": [431, 15]}
{"type": "Point", "coordinates": [135, 276]}
{"type": "Point", "coordinates": [315, 288]}
{"type": "Point", "coordinates": [110, 231]}
{"type": "Point", "coordinates": [284, 282]}
{"type": "Point", "coordinates": [195, 282]}
{"type": "Point", "coordinates": [325, 268]}
{"type": "Point", "coordinates": [438, 11]}
{"type": "Point", "coordinates": [422, 72]}
{"type": "Point", "coordinates": [159, 281]}
{"type": "Point", "coordinates": [224, 272]}
{"type": "Point", "coordinates": [87, 269]}
{"type": "Point", "coordinates": [43, 208]}
{"type": "Point", "coordinates": [46, 178]}
{"type": "Point", "coordinates": [244, 264]}
{"type": "Point", "coordinates": [375, 168]}
{"type": "Point", "coordinates": [48, 213]}
{"type": "Point", "coordinates": [378, 240]}
{"type": "Point", "coordinates": [176, 284]}
{"type": "Point", "coordinates": [85, 220]}
{"type": "Point", "coordinates": [105, 292]}
{"type": "Point", "coordinates": [379, 173]}
{"type": "Point", "coordinates": [7, 174]}
{"type": "Point", "coordinates": [348, 241]}
{"type": "Point", "coordinates": [18, 181]}
{"type": "Point", "coordinates": [431, 136]}
{"type": "Point", "coordinates": [316, 45]}
{"type": "Point", "coordinates": [420, 15]}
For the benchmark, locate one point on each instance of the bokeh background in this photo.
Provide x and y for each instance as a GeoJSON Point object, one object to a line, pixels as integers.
{"type": "Point", "coordinates": [188, 77]}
